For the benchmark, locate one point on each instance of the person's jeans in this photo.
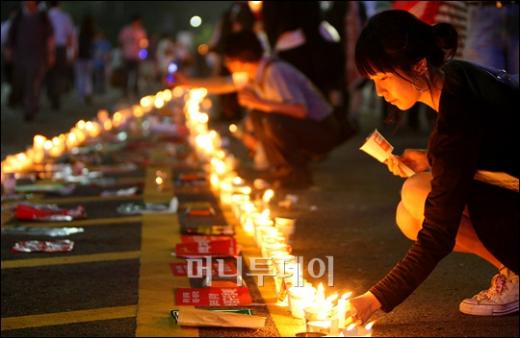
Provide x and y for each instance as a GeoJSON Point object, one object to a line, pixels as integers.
{"type": "Point", "coordinates": [84, 70]}
{"type": "Point", "coordinates": [28, 81]}
{"type": "Point", "coordinates": [99, 79]}
{"type": "Point", "coordinates": [292, 142]}
{"type": "Point", "coordinates": [57, 77]}
{"type": "Point", "coordinates": [131, 77]}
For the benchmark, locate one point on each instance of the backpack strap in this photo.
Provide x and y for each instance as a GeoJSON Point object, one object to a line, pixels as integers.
{"type": "Point", "coordinates": [266, 65]}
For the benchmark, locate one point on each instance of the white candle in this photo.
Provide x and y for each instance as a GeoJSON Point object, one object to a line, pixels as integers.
{"type": "Point", "coordinates": [354, 330]}
{"type": "Point", "coordinates": [342, 309]}
{"type": "Point", "coordinates": [240, 79]}
{"type": "Point", "coordinates": [299, 299]}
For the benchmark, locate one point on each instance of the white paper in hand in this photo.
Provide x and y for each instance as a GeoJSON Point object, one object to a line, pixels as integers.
{"type": "Point", "coordinates": [379, 148]}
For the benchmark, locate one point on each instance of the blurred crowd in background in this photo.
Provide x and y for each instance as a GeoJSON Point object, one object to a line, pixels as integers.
{"type": "Point", "coordinates": [45, 53]}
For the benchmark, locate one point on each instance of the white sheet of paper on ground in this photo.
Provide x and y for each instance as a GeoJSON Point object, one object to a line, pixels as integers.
{"type": "Point", "coordinates": [379, 148]}
{"type": "Point", "coordinates": [121, 192]}
{"type": "Point", "coordinates": [159, 208]}
{"type": "Point", "coordinates": [205, 318]}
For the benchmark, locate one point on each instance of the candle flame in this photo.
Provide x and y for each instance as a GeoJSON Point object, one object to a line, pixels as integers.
{"type": "Point", "coordinates": [268, 195]}
{"type": "Point", "coordinates": [249, 227]}
{"type": "Point", "coordinates": [159, 102]}
{"type": "Point", "coordinates": [159, 180]}
{"type": "Point", "coordinates": [346, 295]}
{"type": "Point", "coordinates": [351, 327]}
{"type": "Point", "coordinates": [237, 180]}
{"type": "Point", "coordinates": [47, 145]}
{"type": "Point", "coordinates": [146, 101]}
{"type": "Point", "coordinates": [320, 294]}
{"type": "Point", "coordinates": [332, 298]}
{"type": "Point", "coordinates": [370, 325]}
{"type": "Point", "coordinates": [39, 140]}
{"type": "Point", "coordinates": [214, 180]}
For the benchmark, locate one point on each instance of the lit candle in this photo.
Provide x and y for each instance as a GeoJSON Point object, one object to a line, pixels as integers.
{"type": "Point", "coordinates": [92, 128]}
{"type": "Point", "coordinates": [117, 119]}
{"type": "Point", "coordinates": [58, 147]}
{"type": "Point", "coordinates": [159, 102]}
{"type": "Point", "coordinates": [138, 111]}
{"type": "Point", "coordinates": [267, 197]}
{"type": "Point", "coordinates": [355, 330]}
{"type": "Point", "coordinates": [38, 141]}
{"type": "Point", "coordinates": [342, 309]}
{"type": "Point", "coordinates": [240, 79]}
{"type": "Point", "coordinates": [286, 226]}
{"type": "Point", "coordinates": [102, 115]}
{"type": "Point", "coordinates": [299, 298]}
{"type": "Point", "coordinates": [146, 102]}
{"type": "Point", "coordinates": [160, 179]}
{"type": "Point", "coordinates": [107, 125]}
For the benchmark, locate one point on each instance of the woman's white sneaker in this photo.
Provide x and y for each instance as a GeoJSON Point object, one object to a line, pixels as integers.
{"type": "Point", "coordinates": [500, 299]}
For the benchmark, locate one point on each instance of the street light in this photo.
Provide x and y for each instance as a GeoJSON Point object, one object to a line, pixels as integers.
{"type": "Point", "coordinates": [195, 21]}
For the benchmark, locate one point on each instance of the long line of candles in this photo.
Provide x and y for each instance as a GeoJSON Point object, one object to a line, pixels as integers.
{"type": "Point", "coordinates": [324, 314]}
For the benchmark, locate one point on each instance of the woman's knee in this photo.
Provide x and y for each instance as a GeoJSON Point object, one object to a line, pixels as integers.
{"type": "Point", "coordinates": [407, 223]}
{"type": "Point", "coordinates": [414, 192]}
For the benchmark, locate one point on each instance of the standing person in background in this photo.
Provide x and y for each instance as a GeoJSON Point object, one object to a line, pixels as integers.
{"type": "Point", "coordinates": [492, 38]}
{"type": "Point", "coordinates": [102, 59]}
{"type": "Point", "coordinates": [7, 65]}
{"type": "Point", "coordinates": [64, 38]}
{"type": "Point", "coordinates": [166, 58]}
{"type": "Point", "coordinates": [30, 46]}
{"type": "Point", "coordinates": [85, 60]}
{"type": "Point", "coordinates": [134, 44]}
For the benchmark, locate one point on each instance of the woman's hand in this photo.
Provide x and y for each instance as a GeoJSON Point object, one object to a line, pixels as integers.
{"type": "Point", "coordinates": [415, 159]}
{"type": "Point", "coordinates": [363, 307]}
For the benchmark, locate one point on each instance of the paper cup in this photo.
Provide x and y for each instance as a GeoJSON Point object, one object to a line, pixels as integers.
{"type": "Point", "coordinates": [298, 299]}
{"type": "Point", "coordinates": [286, 226]}
{"type": "Point", "coordinates": [240, 79]}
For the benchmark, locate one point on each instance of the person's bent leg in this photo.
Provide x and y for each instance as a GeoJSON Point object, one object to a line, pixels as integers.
{"type": "Point", "coordinates": [410, 216]}
{"type": "Point", "coordinates": [502, 296]}
{"type": "Point", "coordinates": [284, 151]}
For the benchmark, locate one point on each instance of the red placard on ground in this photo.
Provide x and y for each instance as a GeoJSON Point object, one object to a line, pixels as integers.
{"type": "Point", "coordinates": [181, 269]}
{"type": "Point", "coordinates": [202, 238]}
{"type": "Point", "coordinates": [213, 296]}
{"type": "Point", "coordinates": [220, 248]}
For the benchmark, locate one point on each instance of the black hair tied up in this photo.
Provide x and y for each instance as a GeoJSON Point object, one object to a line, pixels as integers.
{"type": "Point", "coordinates": [396, 40]}
{"type": "Point", "coordinates": [446, 39]}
